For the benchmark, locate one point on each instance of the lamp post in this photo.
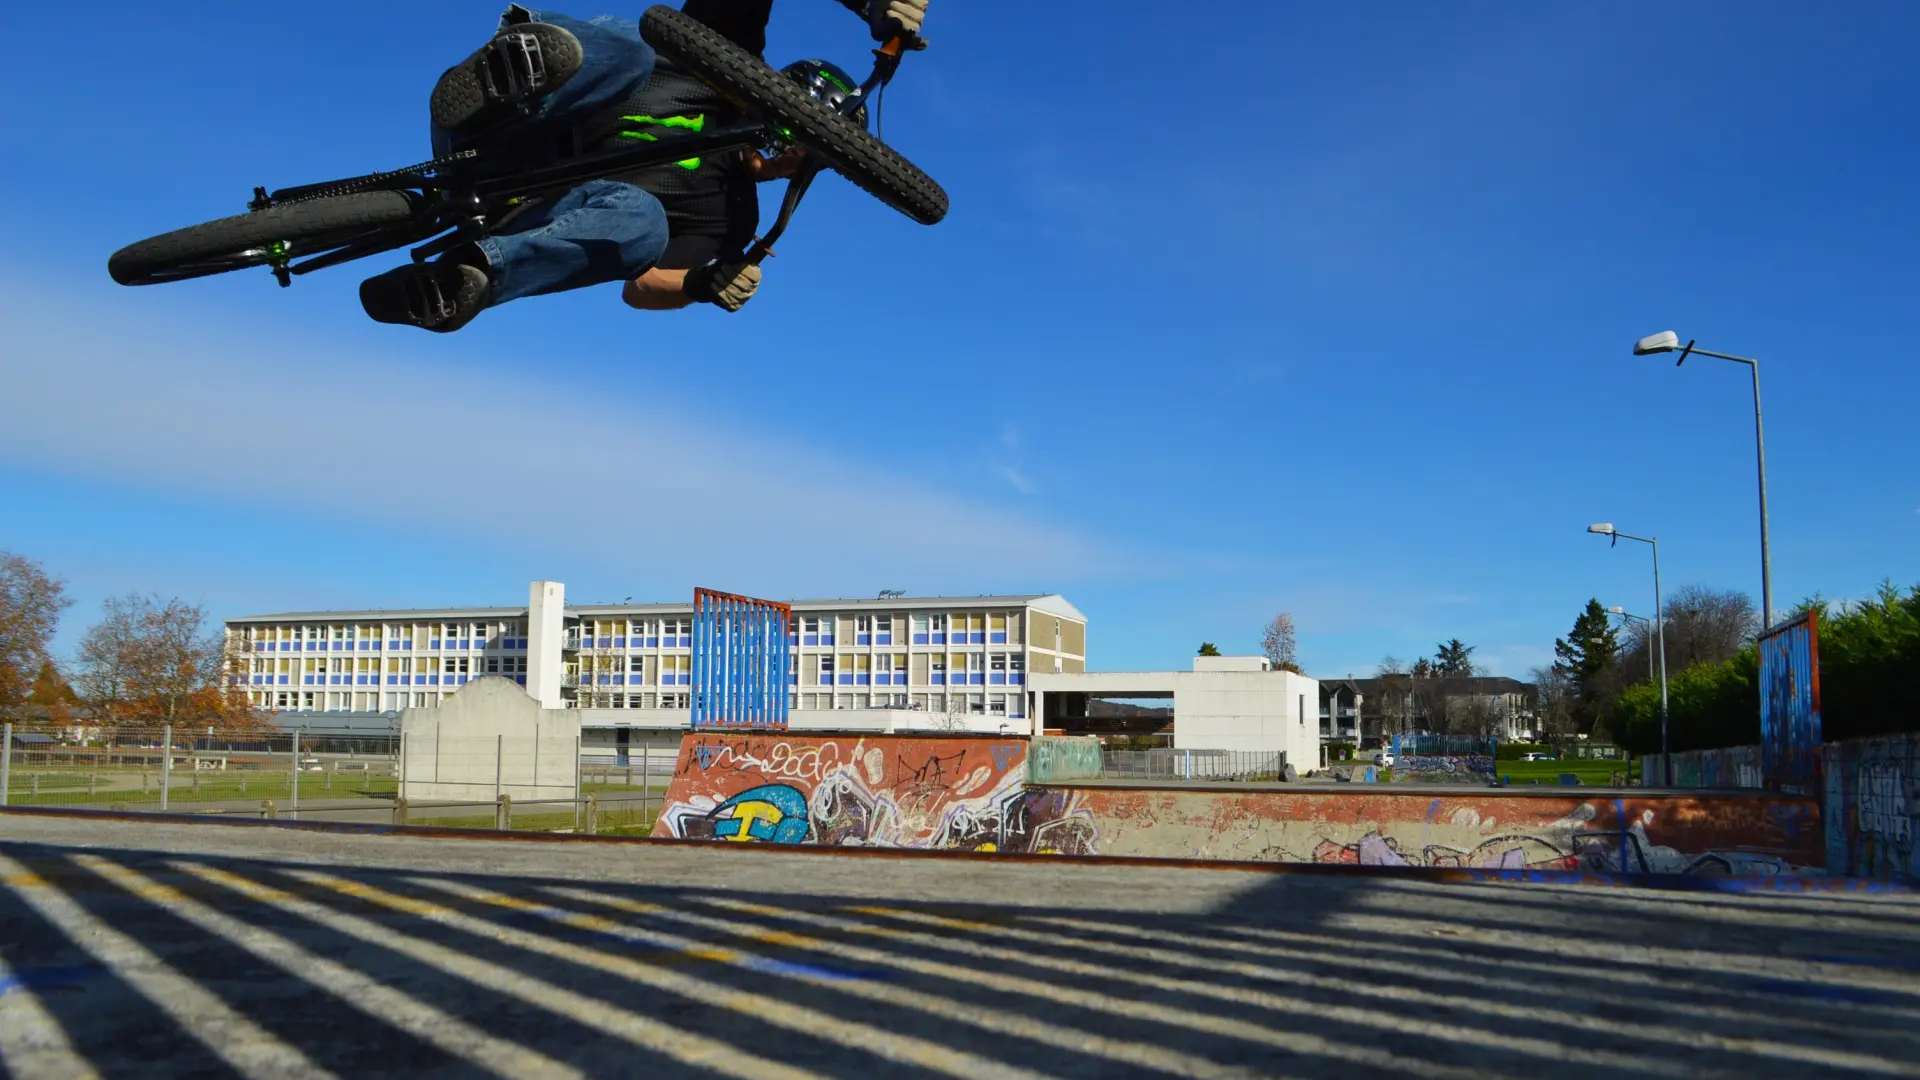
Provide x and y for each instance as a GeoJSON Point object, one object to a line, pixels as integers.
{"type": "Point", "coordinates": [1660, 635]}
{"type": "Point", "coordinates": [1667, 341]}
{"type": "Point", "coordinates": [1640, 619]}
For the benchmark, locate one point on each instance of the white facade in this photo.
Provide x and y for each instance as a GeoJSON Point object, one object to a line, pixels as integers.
{"type": "Point", "coordinates": [967, 659]}
{"type": "Point", "coordinates": [1226, 703]}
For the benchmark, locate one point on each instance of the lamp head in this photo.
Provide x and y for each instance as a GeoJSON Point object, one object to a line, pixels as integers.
{"type": "Point", "coordinates": [1603, 528]}
{"type": "Point", "coordinates": [1663, 342]}
{"type": "Point", "coordinates": [1618, 610]}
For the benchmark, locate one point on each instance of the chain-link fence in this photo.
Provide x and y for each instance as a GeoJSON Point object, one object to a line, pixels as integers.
{"type": "Point", "coordinates": [184, 770]}
{"type": "Point", "coordinates": [1193, 764]}
{"type": "Point", "coordinates": [521, 783]}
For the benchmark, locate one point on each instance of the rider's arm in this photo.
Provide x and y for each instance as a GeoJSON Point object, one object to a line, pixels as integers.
{"type": "Point", "coordinates": [657, 290]}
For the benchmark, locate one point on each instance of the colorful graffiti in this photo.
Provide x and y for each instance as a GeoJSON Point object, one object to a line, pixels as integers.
{"type": "Point", "coordinates": [1873, 806]}
{"type": "Point", "coordinates": [1443, 769]}
{"type": "Point", "coordinates": [1790, 704]}
{"type": "Point", "coordinates": [1059, 758]}
{"type": "Point", "coordinates": [885, 791]}
{"type": "Point", "coordinates": [1708, 835]}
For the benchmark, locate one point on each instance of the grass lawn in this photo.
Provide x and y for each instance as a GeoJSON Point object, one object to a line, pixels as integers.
{"type": "Point", "coordinates": [1592, 773]}
{"type": "Point", "coordinates": [120, 788]}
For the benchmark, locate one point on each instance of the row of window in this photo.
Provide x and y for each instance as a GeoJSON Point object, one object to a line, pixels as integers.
{"type": "Point", "coordinates": [397, 645]}
{"type": "Point", "coordinates": [386, 631]}
{"type": "Point", "coordinates": [1008, 705]}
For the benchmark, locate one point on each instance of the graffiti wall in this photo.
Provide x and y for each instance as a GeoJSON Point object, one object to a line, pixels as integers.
{"type": "Point", "coordinates": [1873, 806]}
{"type": "Point", "coordinates": [1444, 769]}
{"type": "Point", "coordinates": [1055, 758]}
{"type": "Point", "coordinates": [1706, 835]}
{"type": "Point", "coordinates": [1727, 767]}
{"type": "Point", "coordinates": [954, 793]}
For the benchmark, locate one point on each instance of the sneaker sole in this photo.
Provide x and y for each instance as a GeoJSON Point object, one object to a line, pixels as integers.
{"type": "Point", "coordinates": [495, 81]}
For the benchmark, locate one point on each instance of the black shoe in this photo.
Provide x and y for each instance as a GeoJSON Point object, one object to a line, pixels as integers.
{"type": "Point", "coordinates": [438, 296]}
{"type": "Point", "coordinates": [519, 66]}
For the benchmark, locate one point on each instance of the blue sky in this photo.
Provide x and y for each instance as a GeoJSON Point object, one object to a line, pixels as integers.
{"type": "Point", "coordinates": [1323, 308]}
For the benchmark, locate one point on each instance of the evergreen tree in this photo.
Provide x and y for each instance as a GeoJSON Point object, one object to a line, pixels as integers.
{"type": "Point", "coordinates": [1454, 658]}
{"type": "Point", "coordinates": [1208, 648]}
{"type": "Point", "coordinates": [1585, 655]}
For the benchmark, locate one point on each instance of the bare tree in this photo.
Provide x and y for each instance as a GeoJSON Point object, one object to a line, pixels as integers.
{"type": "Point", "coordinates": [1556, 711]}
{"type": "Point", "coordinates": [30, 606]}
{"type": "Point", "coordinates": [1390, 665]}
{"type": "Point", "coordinates": [954, 716]}
{"type": "Point", "coordinates": [1280, 644]}
{"type": "Point", "coordinates": [108, 656]}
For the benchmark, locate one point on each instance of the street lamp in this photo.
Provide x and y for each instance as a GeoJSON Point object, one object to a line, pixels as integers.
{"type": "Point", "coordinates": [1667, 341]}
{"type": "Point", "coordinates": [1660, 635]}
{"type": "Point", "coordinates": [1622, 612]}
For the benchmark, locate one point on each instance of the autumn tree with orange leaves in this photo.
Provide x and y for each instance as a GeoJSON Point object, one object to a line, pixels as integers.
{"type": "Point", "coordinates": [151, 663]}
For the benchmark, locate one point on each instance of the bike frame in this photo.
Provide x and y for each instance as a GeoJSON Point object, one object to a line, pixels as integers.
{"type": "Point", "coordinates": [458, 194]}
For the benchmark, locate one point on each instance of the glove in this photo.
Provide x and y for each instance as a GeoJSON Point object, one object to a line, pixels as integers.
{"type": "Point", "coordinates": [728, 285]}
{"type": "Point", "coordinates": [896, 18]}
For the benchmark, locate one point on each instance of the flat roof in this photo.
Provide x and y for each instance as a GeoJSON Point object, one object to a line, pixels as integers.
{"type": "Point", "coordinates": [1053, 603]}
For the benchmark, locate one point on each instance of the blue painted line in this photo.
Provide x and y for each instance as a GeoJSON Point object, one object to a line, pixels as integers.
{"type": "Point", "coordinates": [49, 978]}
{"type": "Point", "coordinates": [1844, 995]}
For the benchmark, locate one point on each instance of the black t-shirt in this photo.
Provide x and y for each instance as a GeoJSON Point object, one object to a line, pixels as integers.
{"type": "Point", "coordinates": [711, 202]}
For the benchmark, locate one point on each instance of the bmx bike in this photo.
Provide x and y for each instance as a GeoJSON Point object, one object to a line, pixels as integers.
{"type": "Point", "coordinates": [461, 197]}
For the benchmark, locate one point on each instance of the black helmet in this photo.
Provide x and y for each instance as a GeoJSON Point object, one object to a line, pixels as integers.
{"type": "Point", "coordinates": [826, 81]}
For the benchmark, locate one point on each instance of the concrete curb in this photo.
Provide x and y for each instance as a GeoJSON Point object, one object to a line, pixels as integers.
{"type": "Point", "coordinates": [1823, 884]}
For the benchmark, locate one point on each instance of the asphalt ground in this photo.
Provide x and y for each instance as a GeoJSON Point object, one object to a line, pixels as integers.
{"type": "Point", "coordinates": [130, 948]}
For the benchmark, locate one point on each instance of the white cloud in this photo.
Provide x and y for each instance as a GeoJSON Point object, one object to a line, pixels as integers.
{"type": "Point", "coordinates": [296, 421]}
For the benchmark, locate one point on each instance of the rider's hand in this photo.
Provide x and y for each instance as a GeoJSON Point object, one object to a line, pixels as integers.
{"type": "Point", "coordinates": [779, 167]}
{"type": "Point", "coordinates": [896, 18]}
{"type": "Point", "coordinates": [725, 284]}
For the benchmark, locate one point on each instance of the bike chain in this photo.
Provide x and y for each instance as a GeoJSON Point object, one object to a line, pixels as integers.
{"type": "Point", "coordinates": [376, 180]}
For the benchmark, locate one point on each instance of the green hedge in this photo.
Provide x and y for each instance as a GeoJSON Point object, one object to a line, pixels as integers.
{"type": "Point", "coordinates": [1869, 684]}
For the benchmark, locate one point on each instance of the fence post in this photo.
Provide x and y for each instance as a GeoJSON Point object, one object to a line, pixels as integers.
{"type": "Point", "coordinates": [266, 809]}
{"type": "Point", "coordinates": [6, 760]}
{"type": "Point", "coordinates": [295, 805]}
{"type": "Point", "coordinates": [499, 754]}
{"type": "Point", "coordinates": [400, 810]}
{"type": "Point", "coordinates": [400, 768]}
{"type": "Point", "coordinates": [503, 813]}
{"type": "Point", "coordinates": [576, 783]}
{"type": "Point", "coordinates": [593, 814]}
{"type": "Point", "coordinates": [166, 765]}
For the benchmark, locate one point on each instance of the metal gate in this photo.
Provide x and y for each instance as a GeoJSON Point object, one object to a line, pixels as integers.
{"type": "Point", "coordinates": [741, 662]}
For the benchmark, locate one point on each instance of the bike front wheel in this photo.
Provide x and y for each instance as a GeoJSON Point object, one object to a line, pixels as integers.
{"type": "Point", "coordinates": [262, 238]}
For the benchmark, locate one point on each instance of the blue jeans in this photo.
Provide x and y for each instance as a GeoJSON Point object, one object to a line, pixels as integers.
{"type": "Point", "coordinates": [603, 230]}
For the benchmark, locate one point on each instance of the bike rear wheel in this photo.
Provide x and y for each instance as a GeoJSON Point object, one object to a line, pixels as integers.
{"type": "Point", "coordinates": [262, 238]}
{"type": "Point", "coordinates": [749, 82]}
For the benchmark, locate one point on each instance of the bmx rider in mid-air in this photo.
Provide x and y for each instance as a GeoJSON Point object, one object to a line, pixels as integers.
{"type": "Point", "coordinates": [674, 233]}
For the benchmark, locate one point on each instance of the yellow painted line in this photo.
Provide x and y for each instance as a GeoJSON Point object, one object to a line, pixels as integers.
{"type": "Point", "coordinates": [1152, 1012]}
{"type": "Point", "coordinates": [643, 1032]}
{"type": "Point", "coordinates": [1050, 1030]}
{"type": "Point", "coordinates": [251, 1049]}
{"type": "Point", "coordinates": [1552, 1049]}
{"type": "Point", "coordinates": [377, 1000]}
{"type": "Point", "coordinates": [32, 1043]}
{"type": "Point", "coordinates": [781, 1012]}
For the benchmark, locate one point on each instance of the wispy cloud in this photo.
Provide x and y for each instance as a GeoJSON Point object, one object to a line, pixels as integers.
{"type": "Point", "coordinates": [204, 410]}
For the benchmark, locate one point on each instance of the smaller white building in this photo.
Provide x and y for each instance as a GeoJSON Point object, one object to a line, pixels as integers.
{"type": "Point", "coordinates": [491, 738]}
{"type": "Point", "coordinates": [1224, 703]}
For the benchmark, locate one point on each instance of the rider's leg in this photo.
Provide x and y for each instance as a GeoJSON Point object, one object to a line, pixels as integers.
{"type": "Point", "coordinates": [612, 63]}
{"type": "Point", "coordinates": [601, 231]}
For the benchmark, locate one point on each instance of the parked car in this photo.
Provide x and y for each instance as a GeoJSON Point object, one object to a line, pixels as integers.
{"type": "Point", "coordinates": [1538, 756]}
{"type": "Point", "coordinates": [311, 764]}
{"type": "Point", "coordinates": [1383, 759]}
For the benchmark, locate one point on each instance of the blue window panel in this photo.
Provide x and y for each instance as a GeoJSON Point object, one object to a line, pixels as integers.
{"type": "Point", "coordinates": [266, 646]}
{"type": "Point", "coordinates": [686, 641]}
{"type": "Point", "coordinates": [434, 680]}
{"type": "Point", "coordinates": [920, 639]}
{"type": "Point", "coordinates": [810, 639]}
{"type": "Point", "coordinates": [996, 680]}
{"type": "Point", "coordinates": [685, 680]}
{"type": "Point", "coordinates": [997, 639]}
{"type": "Point", "coordinates": [393, 680]}
{"type": "Point", "coordinates": [393, 644]}
{"type": "Point", "coordinates": [306, 680]}
{"type": "Point", "coordinates": [619, 643]}
{"type": "Point", "coordinates": [1018, 712]}
{"type": "Point", "coordinates": [283, 680]}
{"type": "Point", "coordinates": [976, 639]}
{"type": "Point", "coordinates": [1017, 678]}
{"type": "Point", "coordinates": [846, 680]}
{"type": "Point", "coordinates": [939, 680]}
{"type": "Point", "coordinates": [939, 639]}
{"type": "Point", "coordinates": [793, 678]}
{"type": "Point", "coordinates": [863, 639]}
{"type": "Point", "coordinates": [606, 643]}
{"type": "Point", "coordinates": [883, 639]}
{"type": "Point", "coordinates": [619, 680]}
{"type": "Point", "coordinates": [900, 678]}
{"type": "Point", "coordinates": [793, 639]}
{"type": "Point", "coordinates": [653, 643]}
{"type": "Point", "coordinates": [463, 680]}
{"type": "Point", "coordinates": [977, 680]}
{"type": "Point", "coordinates": [826, 639]}
{"type": "Point", "coordinates": [860, 680]}
{"type": "Point", "coordinates": [433, 643]}
{"type": "Point", "coordinates": [521, 679]}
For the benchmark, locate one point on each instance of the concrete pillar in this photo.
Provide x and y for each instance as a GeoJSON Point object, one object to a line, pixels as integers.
{"type": "Point", "coordinates": [546, 629]}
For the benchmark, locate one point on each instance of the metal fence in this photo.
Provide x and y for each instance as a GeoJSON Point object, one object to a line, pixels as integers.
{"type": "Point", "coordinates": [521, 784]}
{"type": "Point", "coordinates": [1193, 764]}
